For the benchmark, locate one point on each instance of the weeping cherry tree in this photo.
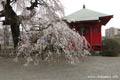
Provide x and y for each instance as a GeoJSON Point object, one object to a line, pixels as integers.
{"type": "Point", "coordinates": [43, 34]}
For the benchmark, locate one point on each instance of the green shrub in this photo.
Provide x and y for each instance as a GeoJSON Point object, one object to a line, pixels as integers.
{"type": "Point", "coordinates": [110, 53]}
{"type": "Point", "coordinates": [111, 44]}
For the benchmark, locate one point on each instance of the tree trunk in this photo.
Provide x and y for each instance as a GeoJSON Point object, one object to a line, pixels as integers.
{"type": "Point", "coordinates": [6, 35]}
{"type": "Point", "coordinates": [12, 19]}
{"type": "Point", "coordinates": [15, 34]}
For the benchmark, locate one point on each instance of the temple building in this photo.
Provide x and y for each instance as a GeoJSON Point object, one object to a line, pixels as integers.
{"type": "Point", "coordinates": [88, 23]}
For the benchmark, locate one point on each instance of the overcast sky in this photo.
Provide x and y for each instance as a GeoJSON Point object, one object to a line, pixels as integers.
{"type": "Point", "coordinates": [111, 7]}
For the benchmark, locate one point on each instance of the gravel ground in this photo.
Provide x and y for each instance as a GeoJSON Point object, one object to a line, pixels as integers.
{"type": "Point", "coordinates": [90, 68]}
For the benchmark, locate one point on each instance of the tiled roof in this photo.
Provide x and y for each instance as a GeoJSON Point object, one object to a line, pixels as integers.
{"type": "Point", "coordinates": [84, 15]}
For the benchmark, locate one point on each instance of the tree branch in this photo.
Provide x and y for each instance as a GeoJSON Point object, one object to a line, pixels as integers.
{"type": "Point", "coordinates": [33, 5]}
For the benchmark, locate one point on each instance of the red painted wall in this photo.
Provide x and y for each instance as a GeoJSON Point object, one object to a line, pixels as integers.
{"type": "Point", "coordinates": [87, 34]}
{"type": "Point", "coordinates": [96, 31]}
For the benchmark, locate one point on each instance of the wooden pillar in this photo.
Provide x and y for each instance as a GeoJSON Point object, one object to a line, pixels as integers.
{"type": "Point", "coordinates": [100, 36]}
{"type": "Point", "coordinates": [100, 33]}
{"type": "Point", "coordinates": [91, 36]}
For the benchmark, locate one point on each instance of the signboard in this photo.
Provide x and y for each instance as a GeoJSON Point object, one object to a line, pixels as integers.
{"type": "Point", "coordinates": [42, 39]}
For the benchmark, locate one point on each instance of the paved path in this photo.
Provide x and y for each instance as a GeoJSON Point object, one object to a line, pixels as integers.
{"type": "Point", "coordinates": [91, 68]}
